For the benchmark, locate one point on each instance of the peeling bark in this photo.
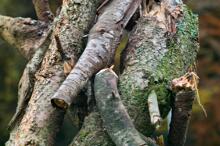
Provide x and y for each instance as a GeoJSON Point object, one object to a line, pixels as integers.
{"type": "Point", "coordinates": [23, 33]}
{"type": "Point", "coordinates": [152, 59]}
{"type": "Point", "coordinates": [162, 46]}
{"type": "Point", "coordinates": [103, 39]}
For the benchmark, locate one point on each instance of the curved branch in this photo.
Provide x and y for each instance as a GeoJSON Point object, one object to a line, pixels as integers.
{"type": "Point", "coordinates": [104, 37]}
{"type": "Point", "coordinates": [23, 33]}
{"type": "Point", "coordinates": [113, 113]}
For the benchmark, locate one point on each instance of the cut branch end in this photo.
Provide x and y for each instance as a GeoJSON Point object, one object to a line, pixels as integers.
{"type": "Point", "coordinates": [59, 103]}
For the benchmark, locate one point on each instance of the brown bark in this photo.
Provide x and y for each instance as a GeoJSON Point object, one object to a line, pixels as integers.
{"type": "Point", "coordinates": [41, 121]}
{"type": "Point", "coordinates": [23, 33]}
{"type": "Point", "coordinates": [158, 51]}
{"type": "Point", "coordinates": [43, 11]}
{"type": "Point", "coordinates": [184, 88]}
{"type": "Point", "coordinates": [26, 82]}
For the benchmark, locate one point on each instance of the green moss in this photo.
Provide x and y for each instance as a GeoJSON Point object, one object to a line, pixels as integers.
{"type": "Point", "coordinates": [182, 47]}
{"type": "Point", "coordinates": [158, 61]}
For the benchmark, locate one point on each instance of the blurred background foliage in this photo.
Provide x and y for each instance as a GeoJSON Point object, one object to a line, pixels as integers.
{"type": "Point", "coordinates": [202, 131]}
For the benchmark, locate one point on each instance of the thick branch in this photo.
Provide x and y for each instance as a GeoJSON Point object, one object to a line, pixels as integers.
{"type": "Point", "coordinates": [114, 115]}
{"type": "Point", "coordinates": [103, 39]}
{"type": "Point", "coordinates": [41, 121]}
{"type": "Point", "coordinates": [43, 11]}
{"type": "Point", "coordinates": [152, 59]}
{"type": "Point", "coordinates": [184, 87]}
{"type": "Point", "coordinates": [23, 33]}
{"type": "Point", "coordinates": [27, 80]}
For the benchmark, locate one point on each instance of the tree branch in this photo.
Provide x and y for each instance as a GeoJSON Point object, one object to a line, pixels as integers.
{"type": "Point", "coordinates": [113, 113]}
{"type": "Point", "coordinates": [41, 121]}
{"type": "Point", "coordinates": [104, 37]}
{"type": "Point", "coordinates": [43, 11]}
{"type": "Point", "coordinates": [152, 59]}
{"type": "Point", "coordinates": [184, 88]}
{"type": "Point", "coordinates": [23, 33]}
{"type": "Point", "coordinates": [27, 80]}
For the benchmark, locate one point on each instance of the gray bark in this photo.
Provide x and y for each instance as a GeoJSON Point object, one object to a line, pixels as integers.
{"type": "Point", "coordinates": [162, 46]}
{"type": "Point", "coordinates": [41, 121]}
{"type": "Point", "coordinates": [155, 55]}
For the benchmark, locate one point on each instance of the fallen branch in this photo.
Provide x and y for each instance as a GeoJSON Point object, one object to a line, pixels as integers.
{"type": "Point", "coordinates": [184, 88]}
{"type": "Point", "coordinates": [104, 37]}
{"type": "Point", "coordinates": [113, 113]}
{"type": "Point", "coordinates": [23, 33]}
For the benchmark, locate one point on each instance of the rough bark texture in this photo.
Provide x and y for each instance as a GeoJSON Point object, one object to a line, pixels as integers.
{"type": "Point", "coordinates": [104, 38]}
{"type": "Point", "coordinates": [23, 33]}
{"type": "Point", "coordinates": [27, 81]}
{"type": "Point", "coordinates": [41, 121]}
{"type": "Point", "coordinates": [153, 59]}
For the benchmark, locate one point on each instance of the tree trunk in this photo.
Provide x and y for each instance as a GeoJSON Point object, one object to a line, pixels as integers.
{"type": "Point", "coordinates": [162, 46]}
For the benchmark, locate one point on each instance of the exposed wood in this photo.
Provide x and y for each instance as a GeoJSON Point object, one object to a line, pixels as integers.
{"type": "Point", "coordinates": [113, 113]}
{"type": "Point", "coordinates": [103, 39]}
{"type": "Point", "coordinates": [25, 34]}
{"type": "Point", "coordinates": [184, 88]}
{"type": "Point", "coordinates": [152, 59]}
{"type": "Point", "coordinates": [153, 107]}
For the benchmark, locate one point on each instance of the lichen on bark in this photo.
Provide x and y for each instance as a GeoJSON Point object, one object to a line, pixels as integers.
{"type": "Point", "coordinates": [153, 59]}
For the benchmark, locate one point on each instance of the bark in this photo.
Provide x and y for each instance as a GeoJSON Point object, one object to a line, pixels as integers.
{"type": "Point", "coordinates": [26, 82]}
{"type": "Point", "coordinates": [162, 46]}
{"type": "Point", "coordinates": [184, 88]}
{"type": "Point", "coordinates": [153, 58]}
{"type": "Point", "coordinates": [118, 124]}
{"type": "Point", "coordinates": [43, 11]}
{"type": "Point", "coordinates": [23, 33]}
{"type": "Point", "coordinates": [104, 38]}
{"type": "Point", "coordinates": [41, 121]}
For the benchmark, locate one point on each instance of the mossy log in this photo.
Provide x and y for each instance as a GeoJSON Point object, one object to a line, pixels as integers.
{"type": "Point", "coordinates": [152, 59]}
